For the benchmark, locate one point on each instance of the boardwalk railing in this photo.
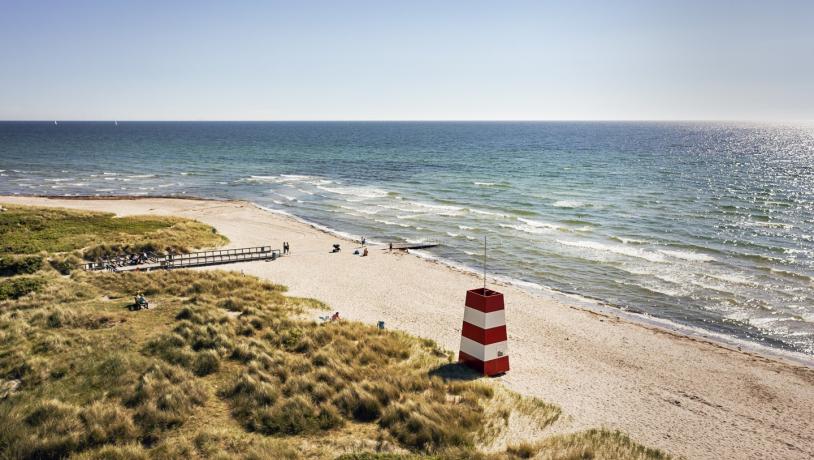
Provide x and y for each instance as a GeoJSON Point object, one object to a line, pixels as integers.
{"type": "Point", "coordinates": [193, 259]}
{"type": "Point", "coordinates": [224, 256]}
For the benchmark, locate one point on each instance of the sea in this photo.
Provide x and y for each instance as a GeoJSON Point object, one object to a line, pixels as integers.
{"type": "Point", "coordinates": [705, 225]}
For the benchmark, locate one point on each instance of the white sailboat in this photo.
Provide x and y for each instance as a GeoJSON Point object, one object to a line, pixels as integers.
{"type": "Point", "coordinates": [55, 122]}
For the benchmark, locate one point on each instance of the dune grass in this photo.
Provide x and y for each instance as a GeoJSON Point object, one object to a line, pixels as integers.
{"type": "Point", "coordinates": [29, 230]}
{"type": "Point", "coordinates": [225, 365]}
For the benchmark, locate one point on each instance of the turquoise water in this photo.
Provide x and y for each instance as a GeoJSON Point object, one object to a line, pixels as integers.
{"type": "Point", "coordinates": [709, 225]}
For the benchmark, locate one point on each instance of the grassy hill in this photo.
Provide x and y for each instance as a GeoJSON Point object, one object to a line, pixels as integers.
{"type": "Point", "coordinates": [225, 365]}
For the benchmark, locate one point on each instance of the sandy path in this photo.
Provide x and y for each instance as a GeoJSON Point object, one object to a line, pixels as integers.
{"type": "Point", "coordinates": [687, 396]}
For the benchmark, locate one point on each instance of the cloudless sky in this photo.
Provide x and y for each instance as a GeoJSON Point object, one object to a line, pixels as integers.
{"type": "Point", "coordinates": [413, 60]}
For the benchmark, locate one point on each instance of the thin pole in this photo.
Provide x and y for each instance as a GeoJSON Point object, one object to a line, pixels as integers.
{"type": "Point", "coordinates": [484, 264]}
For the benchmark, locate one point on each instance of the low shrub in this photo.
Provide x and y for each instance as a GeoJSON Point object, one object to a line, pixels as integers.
{"type": "Point", "coordinates": [297, 415]}
{"type": "Point", "coordinates": [359, 404]}
{"type": "Point", "coordinates": [595, 444]}
{"type": "Point", "coordinates": [15, 288]}
{"type": "Point", "coordinates": [207, 362]}
{"type": "Point", "coordinates": [22, 265]}
{"type": "Point", "coordinates": [429, 425]}
{"type": "Point", "coordinates": [65, 265]}
{"type": "Point", "coordinates": [164, 397]}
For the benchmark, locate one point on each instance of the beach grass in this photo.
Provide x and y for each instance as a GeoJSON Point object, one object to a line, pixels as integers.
{"type": "Point", "coordinates": [27, 230]}
{"type": "Point", "coordinates": [225, 365]}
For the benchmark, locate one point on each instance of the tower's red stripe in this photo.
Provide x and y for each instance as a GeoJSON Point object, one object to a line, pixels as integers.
{"type": "Point", "coordinates": [486, 304]}
{"type": "Point", "coordinates": [484, 336]}
{"type": "Point", "coordinates": [491, 367]}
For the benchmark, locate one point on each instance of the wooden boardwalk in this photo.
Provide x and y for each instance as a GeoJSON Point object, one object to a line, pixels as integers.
{"type": "Point", "coordinates": [195, 259]}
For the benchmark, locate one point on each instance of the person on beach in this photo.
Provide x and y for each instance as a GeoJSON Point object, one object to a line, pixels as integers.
{"type": "Point", "coordinates": [363, 241]}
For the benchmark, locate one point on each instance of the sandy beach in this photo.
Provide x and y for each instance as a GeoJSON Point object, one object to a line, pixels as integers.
{"type": "Point", "coordinates": [689, 396]}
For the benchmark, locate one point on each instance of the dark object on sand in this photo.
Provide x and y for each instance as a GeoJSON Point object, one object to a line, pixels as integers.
{"type": "Point", "coordinates": [336, 248]}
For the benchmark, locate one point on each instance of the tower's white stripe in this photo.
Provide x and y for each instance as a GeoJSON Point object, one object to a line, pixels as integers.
{"type": "Point", "coordinates": [485, 320]}
{"type": "Point", "coordinates": [484, 352]}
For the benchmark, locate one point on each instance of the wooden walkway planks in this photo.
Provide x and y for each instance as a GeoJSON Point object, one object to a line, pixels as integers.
{"type": "Point", "coordinates": [195, 259]}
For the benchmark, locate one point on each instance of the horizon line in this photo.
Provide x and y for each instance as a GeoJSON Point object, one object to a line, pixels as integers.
{"type": "Point", "coordinates": [407, 120]}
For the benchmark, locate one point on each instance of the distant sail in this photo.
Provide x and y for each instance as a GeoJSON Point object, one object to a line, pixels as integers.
{"type": "Point", "coordinates": [55, 122]}
{"type": "Point", "coordinates": [116, 123]}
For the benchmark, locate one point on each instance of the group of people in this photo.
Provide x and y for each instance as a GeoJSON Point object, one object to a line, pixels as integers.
{"type": "Point", "coordinates": [140, 302]}
{"type": "Point", "coordinates": [113, 262]}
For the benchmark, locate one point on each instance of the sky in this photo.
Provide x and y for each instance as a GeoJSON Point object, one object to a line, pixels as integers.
{"type": "Point", "coordinates": [410, 60]}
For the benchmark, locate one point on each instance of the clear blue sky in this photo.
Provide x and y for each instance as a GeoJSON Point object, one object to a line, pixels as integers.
{"type": "Point", "coordinates": [351, 60]}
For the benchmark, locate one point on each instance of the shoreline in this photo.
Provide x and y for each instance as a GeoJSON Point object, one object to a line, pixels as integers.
{"type": "Point", "coordinates": [578, 301]}
{"type": "Point", "coordinates": [573, 299]}
{"type": "Point", "coordinates": [665, 385]}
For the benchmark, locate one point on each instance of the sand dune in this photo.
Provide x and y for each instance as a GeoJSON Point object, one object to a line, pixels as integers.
{"type": "Point", "coordinates": [686, 395]}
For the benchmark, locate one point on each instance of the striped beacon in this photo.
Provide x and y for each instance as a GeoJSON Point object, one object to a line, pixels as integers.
{"type": "Point", "coordinates": [484, 345]}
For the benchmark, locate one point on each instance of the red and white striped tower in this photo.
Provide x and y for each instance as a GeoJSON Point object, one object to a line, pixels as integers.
{"type": "Point", "coordinates": [484, 345]}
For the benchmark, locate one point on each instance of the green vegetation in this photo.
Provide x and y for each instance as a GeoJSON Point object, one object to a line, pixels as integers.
{"type": "Point", "coordinates": [24, 265]}
{"type": "Point", "coordinates": [27, 230]}
{"type": "Point", "coordinates": [20, 286]}
{"type": "Point", "coordinates": [586, 445]}
{"type": "Point", "coordinates": [225, 365]}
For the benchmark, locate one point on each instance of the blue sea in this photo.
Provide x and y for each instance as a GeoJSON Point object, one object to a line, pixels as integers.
{"type": "Point", "coordinates": [709, 225]}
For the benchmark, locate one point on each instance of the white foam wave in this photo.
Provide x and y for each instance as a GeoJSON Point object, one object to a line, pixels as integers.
{"type": "Point", "coordinates": [296, 177]}
{"type": "Point", "coordinates": [388, 222]}
{"type": "Point", "coordinates": [540, 224]}
{"type": "Point", "coordinates": [629, 240]}
{"type": "Point", "coordinates": [568, 204]}
{"type": "Point", "coordinates": [687, 255]}
{"type": "Point", "coordinates": [528, 228]}
{"type": "Point", "coordinates": [489, 213]}
{"type": "Point", "coordinates": [615, 249]}
{"type": "Point", "coordinates": [369, 211]}
{"type": "Point", "coordinates": [436, 207]}
{"type": "Point", "coordinates": [362, 193]}
{"type": "Point", "coordinates": [411, 216]}
{"type": "Point", "coordinates": [730, 278]}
